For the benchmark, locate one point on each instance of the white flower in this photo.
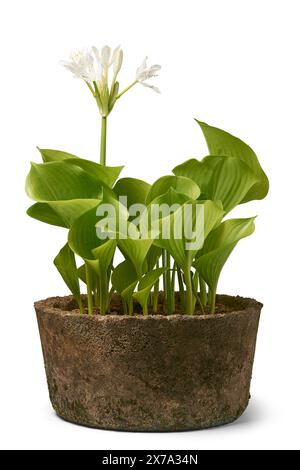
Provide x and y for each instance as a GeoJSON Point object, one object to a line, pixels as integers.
{"type": "Point", "coordinates": [109, 57]}
{"type": "Point", "coordinates": [83, 64]}
{"type": "Point", "coordinates": [117, 62]}
{"type": "Point", "coordinates": [144, 73]}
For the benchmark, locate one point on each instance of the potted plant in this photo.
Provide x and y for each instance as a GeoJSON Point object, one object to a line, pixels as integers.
{"type": "Point", "coordinates": [127, 354]}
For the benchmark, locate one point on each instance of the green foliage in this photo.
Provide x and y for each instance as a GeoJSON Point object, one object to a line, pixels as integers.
{"type": "Point", "coordinates": [61, 213]}
{"type": "Point", "coordinates": [221, 143]}
{"type": "Point", "coordinates": [134, 189]}
{"type": "Point", "coordinates": [145, 285]}
{"type": "Point", "coordinates": [74, 193]}
{"type": "Point", "coordinates": [218, 247]}
{"type": "Point", "coordinates": [66, 265]}
{"type": "Point", "coordinates": [181, 184]}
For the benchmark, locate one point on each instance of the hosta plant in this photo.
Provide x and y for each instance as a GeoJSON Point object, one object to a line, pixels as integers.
{"type": "Point", "coordinates": [173, 235]}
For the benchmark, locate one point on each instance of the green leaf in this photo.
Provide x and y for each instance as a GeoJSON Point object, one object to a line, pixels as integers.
{"type": "Point", "coordinates": [49, 155]}
{"type": "Point", "coordinates": [221, 143]}
{"type": "Point", "coordinates": [61, 213]}
{"type": "Point", "coordinates": [231, 181]}
{"type": "Point", "coordinates": [205, 214]}
{"type": "Point", "coordinates": [84, 234]}
{"type": "Point", "coordinates": [152, 257]}
{"type": "Point", "coordinates": [104, 254]}
{"type": "Point", "coordinates": [218, 246]}
{"type": "Point", "coordinates": [43, 212]}
{"type": "Point", "coordinates": [83, 238]}
{"type": "Point", "coordinates": [145, 286]}
{"type": "Point", "coordinates": [169, 202]}
{"type": "Point", "coordinates": [181, 184]}
{"type": "Point", "coordinates": [124, 280]}
{"type": "Point", "coordinates": [82, 273]}
{"type": "Point", "coordinates": [66, 265]}
{"type": "Point", "coordinates": [134, 189]}
{"type": "Point", "coordinates": [93, 277]}
{"type": "Point", "coordinates": [199, 171]}
{"type": "Point", "coordinates": [105, 174]}
{"type": "Point", "coordinates": [136, 250]}
{"type": "Point", "coordinates": [56, 181]}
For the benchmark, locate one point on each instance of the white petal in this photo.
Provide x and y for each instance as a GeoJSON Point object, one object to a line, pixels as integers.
{"type": "Point", "coordinates": [140, 70]}
{"type": "Point", "coordinates": [154, 69]}
{"type": "Point", "coordinates": [147, 85]}
{"type": "Point", "coordinates": [114, 55]}
{"type": "Point", "coordinates": [83, 65]}
{"type": "Point", "coordinates": [105, 56]}
{"type": "Point", "coordinates": [96, 54]}
{"type": "Point", "coordinates": [117, 64]}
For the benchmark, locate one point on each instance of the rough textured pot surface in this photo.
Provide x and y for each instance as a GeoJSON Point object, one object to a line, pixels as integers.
{"type": "Point", "coordinates": [152, 373]}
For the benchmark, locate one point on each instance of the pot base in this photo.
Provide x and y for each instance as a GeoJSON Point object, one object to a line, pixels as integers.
{"type": "Point", "coordinates": [152, 373]}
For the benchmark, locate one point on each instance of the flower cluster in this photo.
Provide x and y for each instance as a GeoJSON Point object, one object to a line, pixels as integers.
{"type": "Point", "coordinates": [99, 69]}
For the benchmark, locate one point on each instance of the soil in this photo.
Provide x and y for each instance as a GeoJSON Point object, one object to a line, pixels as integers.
{"type": "Point", "coordinates": [149, 373]}
{"type": "Point", "coordinates": [69, 304]}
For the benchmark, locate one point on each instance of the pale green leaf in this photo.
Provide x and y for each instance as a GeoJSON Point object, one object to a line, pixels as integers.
{"type": "Point", "coordinates": [124, 280]}
{"type": "Point", "coordinates": [199, 171]}
{"type": "Point", "coordinates": [134, 189]}
{"type": "Point", "coordinates": [230, 182]}
{"type": "Point", "coordinates": [83, 238]}
{"type": "Point", "coordinates": [145, 286]}
{"type": "Point", "coordinates": [104, 254]}
{"type": "Point", "coordinates": [201, 218]}
{"type": "Point", "coordinates": [61, 213]}
{"type": "Point", "coordinates": [181, 184]}
{"type": "Point", "coordinates": [162, 206]}
{"type": "Point", "coordinates": [85, 233]}
{"type": "Point", "coordinates": [218, 246]}
{"type": "Point", "coordinates": [136, 250]}
{"type": "Point", "coordinates": [222, 143]}
{"type": "Point", "coordinates": [56, 181]}
{"type": "Point", "coordinates": [66, 265]}
{"type": "Point", "coordinates": [105, 174]}
{"type": "Point", "coordinates": [50, 155]}
{"type": "Point", "coordinates": [152, 257]}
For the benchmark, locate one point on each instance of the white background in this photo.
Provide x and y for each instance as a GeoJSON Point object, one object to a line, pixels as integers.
{"type": "Point", "coordinates": [233, 64]}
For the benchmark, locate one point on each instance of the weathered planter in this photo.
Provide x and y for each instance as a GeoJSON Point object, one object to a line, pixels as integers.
{"type": "Point", "coordinates": [155, 373]}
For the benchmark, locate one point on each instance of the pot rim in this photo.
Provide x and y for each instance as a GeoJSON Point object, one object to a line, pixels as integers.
{"type": "Point", "coordinates": [245, 305]}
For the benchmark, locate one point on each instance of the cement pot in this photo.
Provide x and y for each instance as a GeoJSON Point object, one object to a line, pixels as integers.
{"type": "Point", "coordinates": [149, 373]}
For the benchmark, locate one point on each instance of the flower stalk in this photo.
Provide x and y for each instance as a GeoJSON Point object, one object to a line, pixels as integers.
{"type": "Point", "coordinates": [100, 70]}
{"type": "Point", "coordinates": [103, 141]}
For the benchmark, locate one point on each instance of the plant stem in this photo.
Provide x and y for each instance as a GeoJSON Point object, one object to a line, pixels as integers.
{"type": "Point", "coordinates": [168, 283]}
{"type": "Point", "coordinates": [125, 311]}
{"type": "Point", "coordinates": [197, 297]}
{"type": "Point", "coordinates": [189, 301]}
{"type": "Point", "coordinates": [126, 89]}
{"type": "Point", "coordinates": [145, 308]}
{"type": "Point", "coordinates": [172, 302]}
{"type": "Point", "coordinates": [181, 288]}
{"type": "Point", "coordinates": [103, 141]}
{"type": "Point", "coordinates": [163, 259]}
{"type": "Point", "coordinates": [212, 301]}
{"type": "Point", "coordinates": [80, 304]}
{"type": "Point", "coordinates": [203, 294]}
{"type": "Point", "coordinates": [130, 307]}
{"type": "Point", "coordinates": [89, 289]}
{"type": "Point", "coordinates": [97, 297]}
{"type": "Point", "coordinates": [104, 293]}
{"type": "Point", "coordinates": [155, 297]}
